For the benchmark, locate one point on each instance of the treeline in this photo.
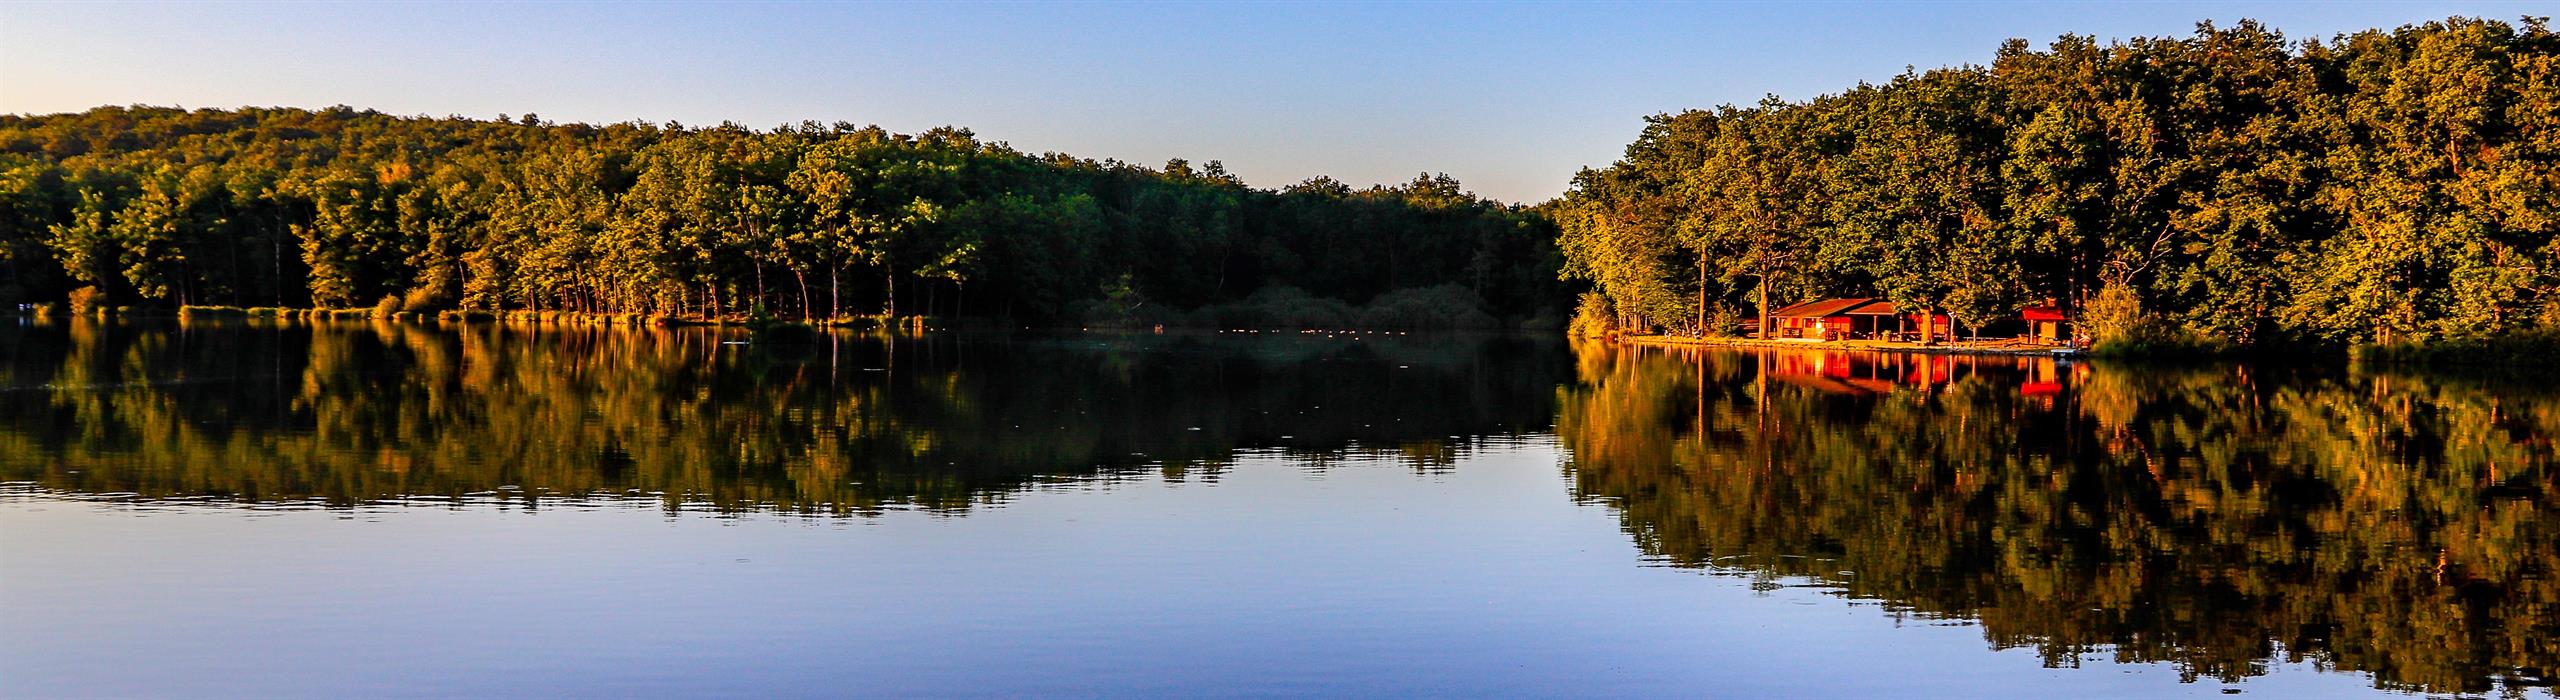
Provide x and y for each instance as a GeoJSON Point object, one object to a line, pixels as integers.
{"type": "Point", "coordinates": [2232, 187]}
{"type": "Point", "coordinates": [343, 208]}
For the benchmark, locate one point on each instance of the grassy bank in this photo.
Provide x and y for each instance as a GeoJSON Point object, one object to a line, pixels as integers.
{"type": "Point", "coordinates": [2537, 348]}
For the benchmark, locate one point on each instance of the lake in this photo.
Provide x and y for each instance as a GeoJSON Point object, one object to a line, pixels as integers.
{"type": "Point", "coordinates": [376, 509]}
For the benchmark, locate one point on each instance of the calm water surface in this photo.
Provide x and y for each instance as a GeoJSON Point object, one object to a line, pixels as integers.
{"type": "Point", "coordinates": [362, 509]}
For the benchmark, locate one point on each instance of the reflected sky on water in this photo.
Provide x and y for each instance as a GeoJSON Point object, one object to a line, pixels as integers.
{"type": "Point", "coordinates": [380, 509]}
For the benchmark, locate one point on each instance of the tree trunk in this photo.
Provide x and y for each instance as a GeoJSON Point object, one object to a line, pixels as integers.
{"type": "Point", "coordinates": [275, 242]}
{"type": "Point", "coordinates": [891, 306]}
{"type": "Point", "coordinates": [1928, 324]}
{"type": "Point", "coordinates": [835, 296]}
{"type": "Point", "coordinates": [803, 278]}
{"type": "Point", "coordinates": [1766, 333]}
{"type": "Point", "coordinates": [1702, 300]}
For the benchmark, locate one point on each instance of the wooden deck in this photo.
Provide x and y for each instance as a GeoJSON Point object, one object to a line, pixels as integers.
{"type": "Point", "coordinates": [2005, 346]}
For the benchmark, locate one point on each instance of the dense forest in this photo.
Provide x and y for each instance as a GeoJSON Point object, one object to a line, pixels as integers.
{"type": "Point", "coordinates": [2231, 187]}
{"type": "Point", "coordinates": [341, 208]}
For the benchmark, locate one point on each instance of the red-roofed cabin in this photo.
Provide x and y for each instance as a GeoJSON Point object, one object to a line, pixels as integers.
{"type": "Point", "coordinates": [2048, 324]}
{"type": "Point", "coordinates": [1861, 317]}
{"type": "Point", "coordinates": [1821, 319]}
{"type": "Point", "coordinates": [1879, 319]}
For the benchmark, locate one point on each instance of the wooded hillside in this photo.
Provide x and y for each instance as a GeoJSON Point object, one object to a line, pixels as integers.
{"type": "Point", "coordinates": [343, 207]}
{"type": "Point", "coordinates": [2232, 186]}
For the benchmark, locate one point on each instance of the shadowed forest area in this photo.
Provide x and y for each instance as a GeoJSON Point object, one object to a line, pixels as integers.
{"type": "Point", "coordinates": [2229, 188]}
{"type": "Point", "coordinates": [2216, 518]}
{"type": "Point", "coordinates": [341, 208]}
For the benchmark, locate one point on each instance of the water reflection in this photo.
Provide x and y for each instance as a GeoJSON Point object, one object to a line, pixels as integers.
{"type": "Point", "coordinates": [2222, 520]}
{"type": "Point", "coordinates": [354, 413]}
{"type": "Point", "coordinates": [2218, 519]}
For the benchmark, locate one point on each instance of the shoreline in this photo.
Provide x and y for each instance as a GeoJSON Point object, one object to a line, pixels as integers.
{"type": "Point", "coordinates": [512, 317]}
{"type": "Point", "coordinates": [1856, 345]}
{"type": "Point", "coordinates": [903, 322]}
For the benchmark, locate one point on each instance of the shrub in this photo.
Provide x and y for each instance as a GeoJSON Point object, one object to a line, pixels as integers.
{"type": "Point", "coordinates": [1724, 322]}
{"type": "Point", "coordinates": [210, 311]}
{"type": "Point", "coordinates": [2119, 327]}
{"type": "Point", "coordinates": [424, 299]}
{"type": "Point", "coordinates": [2526, 348]}
{"type": "Point", "coordinates": [1278, 307]}
{"type": "Point", "coordinates": [2114, 313]}
{"type": "Point", "coordinates": [1122, 304]}
{"type": "Point", "coordinates": [2154, 336]}
{"type": "Point", "coordinates": [1546, 321]}
{"type": "Point", "coordinates": [389, 305]}
{"type": "Point", "coordinates": [1443, 306]}
{"type": "Point", "coordinates": [87, 300]}
{"type": "Point", "coordinates": [1590, 317]}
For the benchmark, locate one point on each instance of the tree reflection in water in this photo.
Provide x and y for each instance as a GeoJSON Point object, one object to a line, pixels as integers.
{"type": "Point", "coordinates": [352, 413]}
{"type": "Point", "coordinates": [2219, 519]}
{"type": "Point", "coordinates": [2214, 518]}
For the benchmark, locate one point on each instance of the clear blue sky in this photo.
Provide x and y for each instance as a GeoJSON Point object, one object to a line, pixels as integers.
{"type": "Point", "coordinates": [1511, 98]}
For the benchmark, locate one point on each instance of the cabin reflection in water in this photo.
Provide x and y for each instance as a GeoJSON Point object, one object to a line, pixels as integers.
{"type": "Point", "coordinates": [2218, 518]}
{"type": "Point", "coordinates": [1874, 372]}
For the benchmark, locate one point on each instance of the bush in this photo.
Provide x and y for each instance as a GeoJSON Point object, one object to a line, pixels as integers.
{"type": "Point", "coordinates": [1545, 322]}
{"type": "Point", "coordinates": [389, 305]}
{"type": "Point", "coordinates": [1724, 322]}
{"type": "Point", "coordinates": [87, 300]}
{"type": "Point", "coordinates": [423, 300]}
{"type": "Point", "coordinates": [2114, 313]}
{"type": "Point", "coordinates": [2118, 327]}
{"type": "Point", "coordinates": [1591, 317]}
{"type": "Point", "coordinates": [2535, 347]}
{"type": "Point", "coordinates": [1123, 305]}
{"type": "Point", "coordinates": [2153, 336]}
{"type": "Point", "coordinates": [1443, 306]}
{"type": "Point", "coordinates": [211, 311]}
{"type": "Point", "coordinates": [1278, 307]}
